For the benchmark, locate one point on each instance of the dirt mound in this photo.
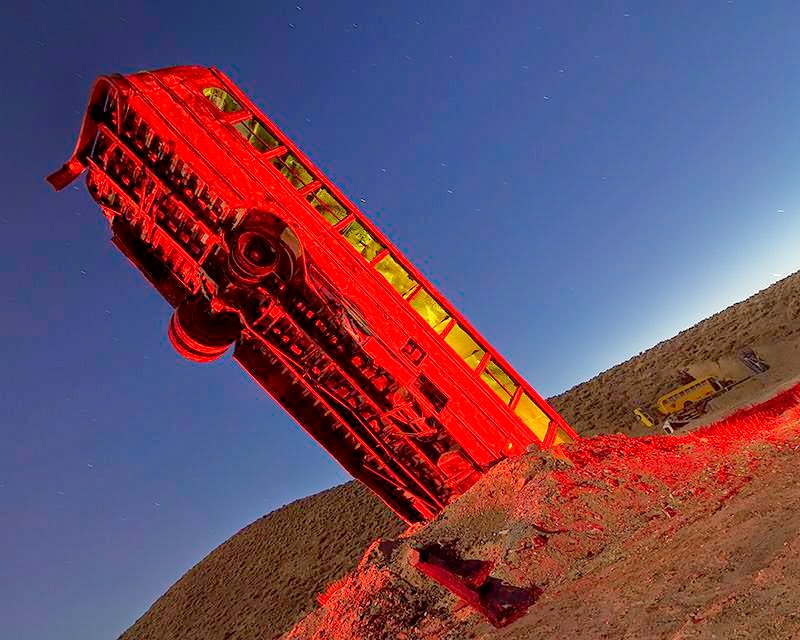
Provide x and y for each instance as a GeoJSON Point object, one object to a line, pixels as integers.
{"type": "Point", "coordinates": [660, 537]}
{"type": "Point", "coordinates": [768, 321]}
{"type": "Point", "coordinates": [258, 583]}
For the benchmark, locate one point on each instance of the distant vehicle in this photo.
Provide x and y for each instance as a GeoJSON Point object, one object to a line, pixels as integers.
{"type": "Point", "coordinates": [677, 421]}
{"type": "Point", "coordinates": [753, 361]}
{"type": "Point", "coordinates": [690, 396]}
{"type": "Point", "coordinates": [644, 418]}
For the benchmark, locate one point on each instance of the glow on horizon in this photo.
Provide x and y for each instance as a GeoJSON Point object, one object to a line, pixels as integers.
{"type": "Point", "coordinates": [772, 258]}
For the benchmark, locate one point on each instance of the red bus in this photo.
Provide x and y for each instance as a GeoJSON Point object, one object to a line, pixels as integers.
{"type": "Point", "coordinates": [255, 248]}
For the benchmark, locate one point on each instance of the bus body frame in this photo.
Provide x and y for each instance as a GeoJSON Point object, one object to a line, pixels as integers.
{"type": "Point", "coordinates": [252, 245]}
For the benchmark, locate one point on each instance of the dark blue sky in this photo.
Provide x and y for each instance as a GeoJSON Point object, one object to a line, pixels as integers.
{"type": "Point", "coordinates": [582, 179]}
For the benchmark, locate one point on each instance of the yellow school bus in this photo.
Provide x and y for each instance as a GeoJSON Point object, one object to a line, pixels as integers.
{"type": "Point", "coordinates": [688, 395]}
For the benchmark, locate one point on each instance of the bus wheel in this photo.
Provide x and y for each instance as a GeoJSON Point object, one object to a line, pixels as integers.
{"type": "Point", "coordinates": [200, 335]}
{"type": "Point", "coordinates": [254, 256]}
{"type": "Point", "coordinates": [259, 247]}
{"type": "Point", "coordinates": [688, 405]}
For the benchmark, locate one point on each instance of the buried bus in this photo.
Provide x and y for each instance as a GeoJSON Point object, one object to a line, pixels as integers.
{"type": "Point", "coordinates": [256, 249]}
{"type": "Point", "coordinates": [689, 395]}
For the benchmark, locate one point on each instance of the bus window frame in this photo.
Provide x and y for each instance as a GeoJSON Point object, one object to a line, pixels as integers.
{"type": "Point", "coordinates": [298, 163]}
{"type": "Point", "coordinates": [249, 109]}
{"type": "Point", "coordinates": [380, 258]}
{"type": "Point", "coordinates": [249, 117]}
{"type": "Point", "coordinates": [503, 370]}
{"type": "Point", "coordinates": [417, 293]}
{"type": "Point", "coordinates": [310, 195]}
{"type": "Point", "coordinates": [219, 110]}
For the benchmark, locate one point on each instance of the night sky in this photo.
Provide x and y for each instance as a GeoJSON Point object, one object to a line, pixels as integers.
{"type": "Point", "coordinates": [581, 179]}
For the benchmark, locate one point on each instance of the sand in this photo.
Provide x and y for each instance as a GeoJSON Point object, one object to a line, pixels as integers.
{"type": "Point", "coordinates": [694, 536]}
{"type": "Point", "coordinates": [250, 587]}
{"type": "Point", "coordinates": [768, 322]}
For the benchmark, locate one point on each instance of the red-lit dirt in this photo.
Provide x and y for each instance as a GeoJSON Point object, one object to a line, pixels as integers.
{"type": "Point", "coordinates": [264, 578]}
{"type": "Point", "coordinates": [258, 583]}
{"type": "Point", "coordinates": [696, 536]}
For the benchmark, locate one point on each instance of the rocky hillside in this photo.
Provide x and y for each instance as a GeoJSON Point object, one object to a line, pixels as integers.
{"type": "Point", "coordinates": [260, 582]}
{"type": "Point", "coordinates": [662, 537]}
{"type": "Point", "coordinates": [264, 578]}
{"type": "Point", "coordinates": [768, 322]}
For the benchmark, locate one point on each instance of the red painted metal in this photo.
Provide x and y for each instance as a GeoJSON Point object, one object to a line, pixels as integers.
{"type": "Point", "coordinates": [253, 246]}
{"type": "Point", "coordinates": [470, 580]}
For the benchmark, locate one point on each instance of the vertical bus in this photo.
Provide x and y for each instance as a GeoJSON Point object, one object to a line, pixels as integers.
{"type": "Point", "coordinates": [255, 248]}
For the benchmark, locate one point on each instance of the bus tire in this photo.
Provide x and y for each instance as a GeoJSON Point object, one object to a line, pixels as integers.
{"type": "Point", "coordinates": [200, 335]}
{"type": "Point", "coordinates": [258, 247]}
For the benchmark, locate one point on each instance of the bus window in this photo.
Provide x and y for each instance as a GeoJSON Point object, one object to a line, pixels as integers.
{"type": "Point", "coordinates": [534, 418]}
{"type": "Point", "coordinates": [361, 240]}
{"type": "Point", "coordinates": [398, 277]}
{"type": "Point", "coordinates": [327, 205]}
{"type": "Point", "coordinates": [463, 344]}
{"type": "Point", "coordinates": [221, 100]}
{"type": "Point", "coordinates": [561, 438]}
{"type": "Point", "coordinates": [293, 171]}
{"type": "Point", "coordinates": [430, 310]}
{"type": "Point", "coordinates": [500, 382]}
{"type": "Point", "coordinates": [256, 134]}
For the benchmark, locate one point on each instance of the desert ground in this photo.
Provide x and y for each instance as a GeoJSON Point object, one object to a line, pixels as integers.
{"type": "Point", "coordinates": [768, 322]}
{"type": "Point", "coordinates": [679, 536]}
{"type": "Point", "coordinates": [690, 536]}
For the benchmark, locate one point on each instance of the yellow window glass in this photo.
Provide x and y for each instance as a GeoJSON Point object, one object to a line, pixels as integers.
{"type": "Point", "coordinates": [330, 208]}
{"type": "Point", "coordinates": [463, 344]}
{"type": "Point", "coordinates": [294, 172]}
{"type": "Point", "coordinates": [533, 417]}
{"type": "Point", "coordinates": [561, 437]}
{"type": "Point", "coordinates": [256, 134]}
{"type": "Point", "coordinates": [500, 382]}
{"type": "Point", "coordinates": [221, 100]}
{"type": "Point", "coordinates": [396, 276]}
{"type": "Point", "coordinates": [430, 310]}
{"type": "Point", "coordinates": [361, 240]}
